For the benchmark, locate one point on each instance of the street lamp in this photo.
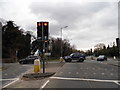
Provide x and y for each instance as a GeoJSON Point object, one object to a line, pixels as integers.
{"type": "Point", "coordinates": [61, 40]}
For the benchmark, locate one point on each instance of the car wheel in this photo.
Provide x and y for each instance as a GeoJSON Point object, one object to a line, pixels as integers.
{"type": "Point", "coordinates": [21, 62]}
{"type": "Point", "coordinates": [81, 60]}
{"type": "Point", "coordinates": [68, 60]}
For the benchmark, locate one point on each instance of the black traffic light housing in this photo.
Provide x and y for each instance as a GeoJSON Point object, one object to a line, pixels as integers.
{"type": "Point", "coordinates": [118, 42]}
{"type": "Point", "coordinates": [42, 30]}
{"type": "Point", "coordinates": [45, 30]}
{"type": "Point", "coordinates": [39, 30]}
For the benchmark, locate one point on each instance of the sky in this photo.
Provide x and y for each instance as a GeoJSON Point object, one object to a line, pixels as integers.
{"type": "Point", "coordinates": [89, 22]}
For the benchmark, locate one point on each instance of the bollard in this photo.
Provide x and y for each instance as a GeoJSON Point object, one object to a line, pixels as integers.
{"type": "Point", "coordinates": [36, 65]}
{"type": "Point", "coordinates": [114, 57]}
{"type": "Point", "coordinates": [61, 59]}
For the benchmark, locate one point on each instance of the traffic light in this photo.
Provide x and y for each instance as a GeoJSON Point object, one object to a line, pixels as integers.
{"type": "Point", "coordinates": [118, 42]}
{"type": "Point", "coordinates": [45, 30]}
{"type": "Point", "coordinates": [42, 30]}
{"type": "Point", "coordinates": [39, 30]}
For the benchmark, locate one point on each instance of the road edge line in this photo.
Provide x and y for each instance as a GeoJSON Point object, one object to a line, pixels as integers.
{"type": "Point", "coordinates": [82, 79]}
{"type": "Point", "coordinates": [116, 83]}
{"type": "Point", "coordinates": [10, 83]}
{"type": "Point", "coordinates": [44, 84]}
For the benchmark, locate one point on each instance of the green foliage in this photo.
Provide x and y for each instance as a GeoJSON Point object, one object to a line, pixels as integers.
{"type": "Point", "coordinates": [109, 51]}
{"type": "Point", "coordinates": [55, 44]}
{"type": "Point", "coordinates": [13, 39]}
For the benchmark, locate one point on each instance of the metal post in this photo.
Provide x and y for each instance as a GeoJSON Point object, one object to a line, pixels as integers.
{"type": "Point", "coordinates": [43, 50]}
{"type": "Point", "coordinates": [61, 43]}
{"type": "Point", "coordinates": [61, 40]}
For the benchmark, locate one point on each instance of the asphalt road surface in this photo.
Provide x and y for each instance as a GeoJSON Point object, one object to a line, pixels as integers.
{"type": "Point", "coordinates": [88, 74]}
{"type": "Point", "coordinates": [13, 71]}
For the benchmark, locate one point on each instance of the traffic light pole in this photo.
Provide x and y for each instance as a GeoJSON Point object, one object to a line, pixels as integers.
{"type": "Point", "coordinates": [43, 50]}
{"type": "Point", "coordinates": [42, 35]}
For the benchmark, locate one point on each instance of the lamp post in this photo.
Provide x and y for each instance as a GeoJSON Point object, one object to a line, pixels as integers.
{"type": "Point", "coordinates": [61, 40]}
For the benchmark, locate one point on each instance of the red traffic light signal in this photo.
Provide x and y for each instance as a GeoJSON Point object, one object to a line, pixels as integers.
{"type": "Point", "coordinates": [38, 24]}
{"type": "Point", "coordinates": [45, 23]}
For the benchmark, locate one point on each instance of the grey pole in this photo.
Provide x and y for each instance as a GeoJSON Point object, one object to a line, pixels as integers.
{"type": "Point", "coordinates": [61, 40]}
{"type": "Point", "coordinates": [61, 43]}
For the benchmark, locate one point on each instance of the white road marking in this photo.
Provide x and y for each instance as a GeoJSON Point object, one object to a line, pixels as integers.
{"type": "Point", "coordinates": [82, 79]}
{"type": "Point", "coordinates": [8, 79]}
{"type": "Point", "coordinates": [77, 72]}
{"type": "Point", "coordinates": [116, 82]}
{"type": "Point", "coordinates": [103, 73]}
{"type": "Point", "coordinates": [61, 72]}
{"type": "Point", "coordinates": [111, 74]}
{"type": "Point", "coordinates": [112, 69]}
{"type": "Point", "coordinates": [69, 72]}
{"type": "Point", "coordinates": [105, 69]}
{"type": "Point", "coordinates": [11, 83]}
{"type": "Point", "coordinates": [94, 73]}
{"type": "Point", "coordinates": [44, 84]}
{"type": "Point", "coordinates": [5, 74]}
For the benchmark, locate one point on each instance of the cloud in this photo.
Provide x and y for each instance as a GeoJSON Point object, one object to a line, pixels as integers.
{"type": "Point", "coordinates": [65, 13]}
{"type": "Point", "coordinates": [88, 23]}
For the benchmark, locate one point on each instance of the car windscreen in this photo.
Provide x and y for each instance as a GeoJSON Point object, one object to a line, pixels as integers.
{"type": "Point", "coordinates": [101, 56]}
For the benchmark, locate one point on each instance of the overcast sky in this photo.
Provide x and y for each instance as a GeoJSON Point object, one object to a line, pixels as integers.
{"type": "Point", "coordinates": [89, 23]}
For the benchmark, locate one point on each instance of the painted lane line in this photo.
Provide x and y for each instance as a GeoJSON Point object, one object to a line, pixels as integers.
{"type": "Point", "coordinates": [8, 79]}
{"type": "Point", "coordinates": [77, 72]}
{"type": "Point", "coordinates": [44, 84]}
{"type": "Point", "coordinates": [78, 79]}
{"type": "Point", "coordinates": [103, 73]}
{"type": "Point", "coordinates": [11, 83]}
{"type": "Point", "coordinates": [116, 82]}
{"type": "Point", "coordinates": [69, 72]}
{"type": "Point", "coordinates": [106, 69]}
{"type": "Point", "coordinates": [111, 74]}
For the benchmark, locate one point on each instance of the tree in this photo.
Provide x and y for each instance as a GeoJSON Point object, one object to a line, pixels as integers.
{"type": "Point", "coordinates": [99, 46]}
{"type": "Point", "coordinates": [15, 39]}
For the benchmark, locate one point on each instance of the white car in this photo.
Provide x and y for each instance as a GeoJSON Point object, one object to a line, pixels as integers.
{"type": "Point", "coordinates": [101, 58]}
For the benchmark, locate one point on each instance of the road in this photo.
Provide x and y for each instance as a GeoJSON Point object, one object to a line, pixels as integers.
{"type": "Point", "coordinates": [14, 70]}
{"type": "Point", "coordinates": [89, 74]}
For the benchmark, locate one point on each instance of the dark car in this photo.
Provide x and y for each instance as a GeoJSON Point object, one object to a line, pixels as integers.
{"type": "Point", "coordinates": [75, 56]}
{"type": "Point", "coordinates": [28, 59]}
{"type": "Point", "coordinates": [101, 58]}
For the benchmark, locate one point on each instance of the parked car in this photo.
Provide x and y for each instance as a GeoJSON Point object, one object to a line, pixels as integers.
{"type": "Point", "coordinates": [28, 59]}
{"type": "Point", "coordinates": [101, 58]}
{"type": "Point", "coordinates": [75, 56]}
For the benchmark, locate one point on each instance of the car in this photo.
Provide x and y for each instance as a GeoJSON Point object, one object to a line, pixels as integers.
{"type": "Point", "coordinates": [29, 59]}
{"type": "Point", "coordinates": [75, 56]}
{"type": "Point", "coordinates": [101, 58]}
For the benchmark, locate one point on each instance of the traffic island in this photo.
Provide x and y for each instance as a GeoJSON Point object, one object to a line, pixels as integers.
{"type": "Point", "coordinates": [37, 76]}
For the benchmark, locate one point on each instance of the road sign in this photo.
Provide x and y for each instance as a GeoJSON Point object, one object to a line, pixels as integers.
{"type": "Point", "coordinates": [48, 54]}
